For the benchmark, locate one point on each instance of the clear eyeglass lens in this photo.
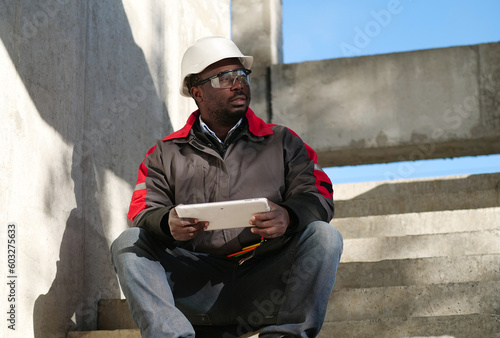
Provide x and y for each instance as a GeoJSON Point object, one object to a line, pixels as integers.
{"type": "Point", "coordinates": [227, 80]}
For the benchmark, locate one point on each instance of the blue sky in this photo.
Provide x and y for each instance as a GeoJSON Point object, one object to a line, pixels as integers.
{"type": "Point", "coordinates": [326, 29]}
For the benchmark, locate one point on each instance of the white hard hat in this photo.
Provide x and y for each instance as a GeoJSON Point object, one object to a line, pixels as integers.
{"type": "Point", "coordinates": [207, 51]}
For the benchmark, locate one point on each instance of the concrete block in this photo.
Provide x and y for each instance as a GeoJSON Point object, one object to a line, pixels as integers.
{"type": "Point", "coordinates": [461, 326]}
{"type": "Point", "coordinates": [415, 301]}
{"type": "Point", "coordinates": [440, 245]}
{"type": "Point", "coordinates": [393, 107]}
{"type": "Point", "coordinates": [419, 195]}
{"type": "Point", "coordinates": [114, 314]}
{"type": "Point", "coordinates": [422, 271]}
{"type": "Point", "coordinates": [489, 77]}
{"type": "Point", "coordinates": [437, 222]}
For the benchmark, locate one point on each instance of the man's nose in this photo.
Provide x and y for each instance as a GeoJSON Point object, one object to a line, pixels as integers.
{"type": "Point", "coordinates": [237, 83]}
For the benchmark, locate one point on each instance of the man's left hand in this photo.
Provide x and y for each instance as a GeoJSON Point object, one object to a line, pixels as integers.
{"type": "Point", "coordinates": [271, 224]}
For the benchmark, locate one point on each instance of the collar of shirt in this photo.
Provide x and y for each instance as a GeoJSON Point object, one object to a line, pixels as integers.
{"type": "Point", "coordinates": [207, 130]}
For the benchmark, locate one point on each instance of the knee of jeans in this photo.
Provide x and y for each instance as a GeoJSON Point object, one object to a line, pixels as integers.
{"type": "Point", "coordinates": [126, 239]}
{"type": "Point", "coordinates": [327, 236]}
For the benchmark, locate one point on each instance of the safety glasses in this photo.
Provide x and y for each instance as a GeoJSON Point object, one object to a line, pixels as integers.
{"type": "Point", "coordinates": [228, 78]}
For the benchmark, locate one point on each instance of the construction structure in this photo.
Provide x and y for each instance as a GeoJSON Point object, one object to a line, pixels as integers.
{"type": "Point", "coordinates": [88, 86]}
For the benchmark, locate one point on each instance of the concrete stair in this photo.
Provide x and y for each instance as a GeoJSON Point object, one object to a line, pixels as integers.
{"type": "Point", "coordinates": [421, 258]}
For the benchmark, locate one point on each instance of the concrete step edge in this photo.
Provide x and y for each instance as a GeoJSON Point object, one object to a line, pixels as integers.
{"type": "Point", "coordinates": [434, 222]}
{"type": "Point", "coordinates": [419, 271]}
{"type": "Point", "coordinates": [461, 326]}
{"type": "Point", "coordinates": [126, 333]}
{"type": "Point", "coordinates": [374, 189]}
{"type": "Point", "coordinates": [422, 195]}
{"type": "Point", "coordinates": [421, 246]}
{"type": "Point", "coordinates": [414, 301]}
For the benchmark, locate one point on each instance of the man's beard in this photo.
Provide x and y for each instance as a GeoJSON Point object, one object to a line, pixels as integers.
{"type": "Point", "coordinates": [224, 117]}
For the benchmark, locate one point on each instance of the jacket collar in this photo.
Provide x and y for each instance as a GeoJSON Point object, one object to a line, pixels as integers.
{"type": "Point", "coordinates": [256, 126]}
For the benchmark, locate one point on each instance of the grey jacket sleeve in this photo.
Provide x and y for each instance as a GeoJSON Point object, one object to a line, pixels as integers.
{"type": "Point", "coordinates": [309, 195]}
{"type": "Point", "coordinates": [152, 198]}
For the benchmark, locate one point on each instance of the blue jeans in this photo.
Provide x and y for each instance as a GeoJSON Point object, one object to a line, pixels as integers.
{"type": "Point", "coordinates": [170, 290]}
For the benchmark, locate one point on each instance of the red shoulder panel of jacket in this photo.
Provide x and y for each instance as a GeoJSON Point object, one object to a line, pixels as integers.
{"type": "Point", "coordinates": [255, 124]}
{"type": "Point", "coordinates": [138, 202]}
{"type": "Point", "coordinates": [184, 132]}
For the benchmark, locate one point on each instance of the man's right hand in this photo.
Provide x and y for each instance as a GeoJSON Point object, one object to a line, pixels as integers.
{"type": "Point", "coordinates": [184, 229]}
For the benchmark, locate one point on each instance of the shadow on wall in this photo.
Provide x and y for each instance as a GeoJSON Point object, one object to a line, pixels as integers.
{"type": "Point", "coordinates": [90, 81]}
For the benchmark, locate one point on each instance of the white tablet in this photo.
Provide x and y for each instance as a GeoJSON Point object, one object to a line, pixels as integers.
{"type": "Point", "coordinates": [224, 215]}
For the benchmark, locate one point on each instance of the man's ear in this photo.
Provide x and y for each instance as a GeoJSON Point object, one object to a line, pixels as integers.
{"type": "Point", "coordinates": [197, 94]}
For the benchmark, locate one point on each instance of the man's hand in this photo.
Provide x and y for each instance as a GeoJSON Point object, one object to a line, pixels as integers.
{"type": "Point", "coordinates": [271, 224]}
{"type": "Point", "coordinates": [183, 229]}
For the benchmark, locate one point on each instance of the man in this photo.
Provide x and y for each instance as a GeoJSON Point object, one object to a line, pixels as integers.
{"type": "Point", "coordinates": [176, 273]}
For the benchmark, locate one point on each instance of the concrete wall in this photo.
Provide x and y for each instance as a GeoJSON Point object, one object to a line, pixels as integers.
{"type": "Point", "coordinates": [259, 35]}
{"type": "Point", "coordinates": [86, 88]}
{"type": "Point", "coordinates": [395, 107]}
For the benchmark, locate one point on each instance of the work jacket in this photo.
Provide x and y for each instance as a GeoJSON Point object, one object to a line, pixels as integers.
{"type": "Point", "coordinates": [261, 160]}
